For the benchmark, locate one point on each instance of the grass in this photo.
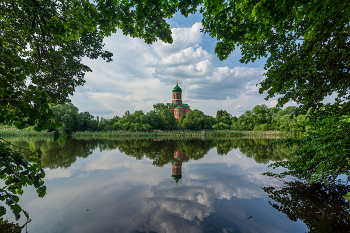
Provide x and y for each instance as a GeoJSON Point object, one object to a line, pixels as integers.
{"type": "Point", "coordinates": [208, 134]}
{"type": "Point", "coordinates": [186, 134]}
{"type": "Point", "coordinates": [6, 131]}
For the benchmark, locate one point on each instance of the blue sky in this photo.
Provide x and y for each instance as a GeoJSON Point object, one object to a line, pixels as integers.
{"type": "Point", "coordinates": [141, 75]}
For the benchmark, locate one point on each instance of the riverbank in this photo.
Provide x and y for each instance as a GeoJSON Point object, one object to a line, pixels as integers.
{"type": "Point", "coordinates": [155, 134]}
{"type": "Point", "coordinates": [187, 133]}
{"type": "Point", "coordinates": [10, 132]}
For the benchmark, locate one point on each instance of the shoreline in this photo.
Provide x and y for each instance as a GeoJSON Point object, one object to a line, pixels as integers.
{"type": "Point", "coordinates": [209, 134]}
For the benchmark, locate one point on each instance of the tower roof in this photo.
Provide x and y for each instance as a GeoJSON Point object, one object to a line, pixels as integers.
{"type": "Point", "coordinates": [176, 177]}
{"type": "Point", "coordinates": [177, 89]}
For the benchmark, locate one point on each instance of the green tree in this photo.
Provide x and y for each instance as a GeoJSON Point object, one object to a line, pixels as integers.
{"type": "Point", "coordinates": [71, 120]}
{"type": "Point", "coordinates": [321, 156]}
{"type": "Point", "coordinates": [42, 45]}
{"type": "Point", "coordinates": [305, 42]}
{"type": "Point", "coordinates": [168, 121]}
{"type": "Point", "coordinates": [196, 120]}
{"type": "Point", "coordinates": [159, 107]}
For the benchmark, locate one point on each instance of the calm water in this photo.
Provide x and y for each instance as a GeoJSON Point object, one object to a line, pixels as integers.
{"type": "Point", "coordinates": [161, 186]}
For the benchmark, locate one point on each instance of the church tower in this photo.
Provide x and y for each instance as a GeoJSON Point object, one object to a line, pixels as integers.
{"type": "Point", "coordinates": [176, 105]}
{"type": "Point", "coordinates": [177, 92]}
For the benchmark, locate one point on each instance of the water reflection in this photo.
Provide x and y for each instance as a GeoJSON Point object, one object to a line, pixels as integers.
{"type": "Point", "coordinates": [322, 208]}
{"type": "Point", "coordinates": [127, 186]}
{"type": "Point", "coordinates": [55, 154]}
{"type": "Point", "coordinates": [176, 165]}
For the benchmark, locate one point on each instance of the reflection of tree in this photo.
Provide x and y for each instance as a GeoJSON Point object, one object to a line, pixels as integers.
{"type": "Point", "coordinates": [261, 150]}
{"type": "Point", "coordinates": [161, 152]}
{"type": "Point", "coordinates": [224, 146]}
{"type": "Point", "coordinates": [322, 208]}
{"type": "Point", "coordinates": [196, 149]}
{"type": "Point", "coordinates": [55, 154]}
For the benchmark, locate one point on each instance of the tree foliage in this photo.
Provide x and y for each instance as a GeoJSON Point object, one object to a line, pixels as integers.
{"type": "Point", "coordinates": [306, 44]}
{"type": "Point", "coordinates": [42, 44]}
{"type": "Point", "coordinates": [196, 120]}
{"type": "Point", "coordinates": [17, 173]}
{"type": "Point", "coordinates": [321, 156]}
{"type": "Point", "coordinates": [262, 118]}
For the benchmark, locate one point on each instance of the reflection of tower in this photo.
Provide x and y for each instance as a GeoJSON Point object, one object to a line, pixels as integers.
{"type": "Point", "coordinates": [179, 158]}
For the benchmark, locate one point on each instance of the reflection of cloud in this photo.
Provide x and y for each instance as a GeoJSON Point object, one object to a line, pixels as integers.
{"type": "Point", "coordinates": [128, 195]}
{"type": "Point", "coordinates": [57, 173]}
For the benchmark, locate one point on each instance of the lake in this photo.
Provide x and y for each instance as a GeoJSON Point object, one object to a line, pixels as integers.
{"type": "Point", "coordinates": [105, 185]}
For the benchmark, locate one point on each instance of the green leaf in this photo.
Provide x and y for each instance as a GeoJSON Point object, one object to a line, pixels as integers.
{"type": "Point", "coordinates": [17, 215]}
{"type": "Point", "coordinates": [16, 208]}
{"type": "Point", "coordinates": [15, 198]}
{"type": "Point", "coordinates": [25, 213]}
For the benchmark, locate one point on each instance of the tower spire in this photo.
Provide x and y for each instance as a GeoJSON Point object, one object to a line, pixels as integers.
{"type": "Point", "coordinates": [177, 81]}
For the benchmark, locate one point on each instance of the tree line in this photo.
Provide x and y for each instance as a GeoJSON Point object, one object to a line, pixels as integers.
{"type": "Point", "coordinates": [260, 118]}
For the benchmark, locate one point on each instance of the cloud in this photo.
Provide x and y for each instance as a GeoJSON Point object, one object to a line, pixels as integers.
{"type": "Point", "coordinates": [182, 38]}
{"type": "Point", "coordinates": [273, 103]}
{"type": "Point", "coordinates": [201, 79]}
{"type": "Point", "coordinates": [141, 75]}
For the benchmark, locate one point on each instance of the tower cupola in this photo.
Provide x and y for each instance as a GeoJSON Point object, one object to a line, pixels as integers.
{"type": "Point", "coordinates": [177, 92]}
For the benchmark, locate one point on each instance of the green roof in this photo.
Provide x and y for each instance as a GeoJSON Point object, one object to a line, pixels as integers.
{"type": "Point", "coordinates": [177, 89]}
{"type": "Point", "coordinates": [185, 105]}
{"type": "Point", "coordinates": [178, 107]}
{"type": "Point", "coordinates": [176, 177]}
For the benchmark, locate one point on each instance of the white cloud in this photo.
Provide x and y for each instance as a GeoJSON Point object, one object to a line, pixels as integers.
{"type": "Point", "coordinates": [141, 75]}
{"type": "Point", "coordinates": [273, 103]}
{"type": "Point", "coordinates": [182, 38]}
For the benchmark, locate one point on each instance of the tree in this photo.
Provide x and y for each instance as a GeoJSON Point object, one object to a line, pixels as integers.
{"type": "Point", "coordinates": [222, 113]}
{"type": "Point", "coordinates": [159, 107]}
{"type": "Point", "coordinates": [196, 120]}
{"type": "Point", "coordinates": [305, 42]}
{"type": "Point", "coordinates": [318, 158]}
{"type": "Point", "coordinates": [42, 45]}
{"type": "Point", "coordinates": [168, 121]}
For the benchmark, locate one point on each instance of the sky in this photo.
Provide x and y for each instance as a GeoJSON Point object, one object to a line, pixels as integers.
{"type": "Point", "coordinates": [142, 75]}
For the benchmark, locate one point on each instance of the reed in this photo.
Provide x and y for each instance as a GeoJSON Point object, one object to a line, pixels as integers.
{"type": "Point", "coordinates": [186, 133]}
{"type": "Point", "coordinates": [5, 131]}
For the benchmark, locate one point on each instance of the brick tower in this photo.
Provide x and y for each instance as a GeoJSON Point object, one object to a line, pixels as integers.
{"type": "Point", "coordinates": [176, 105]}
